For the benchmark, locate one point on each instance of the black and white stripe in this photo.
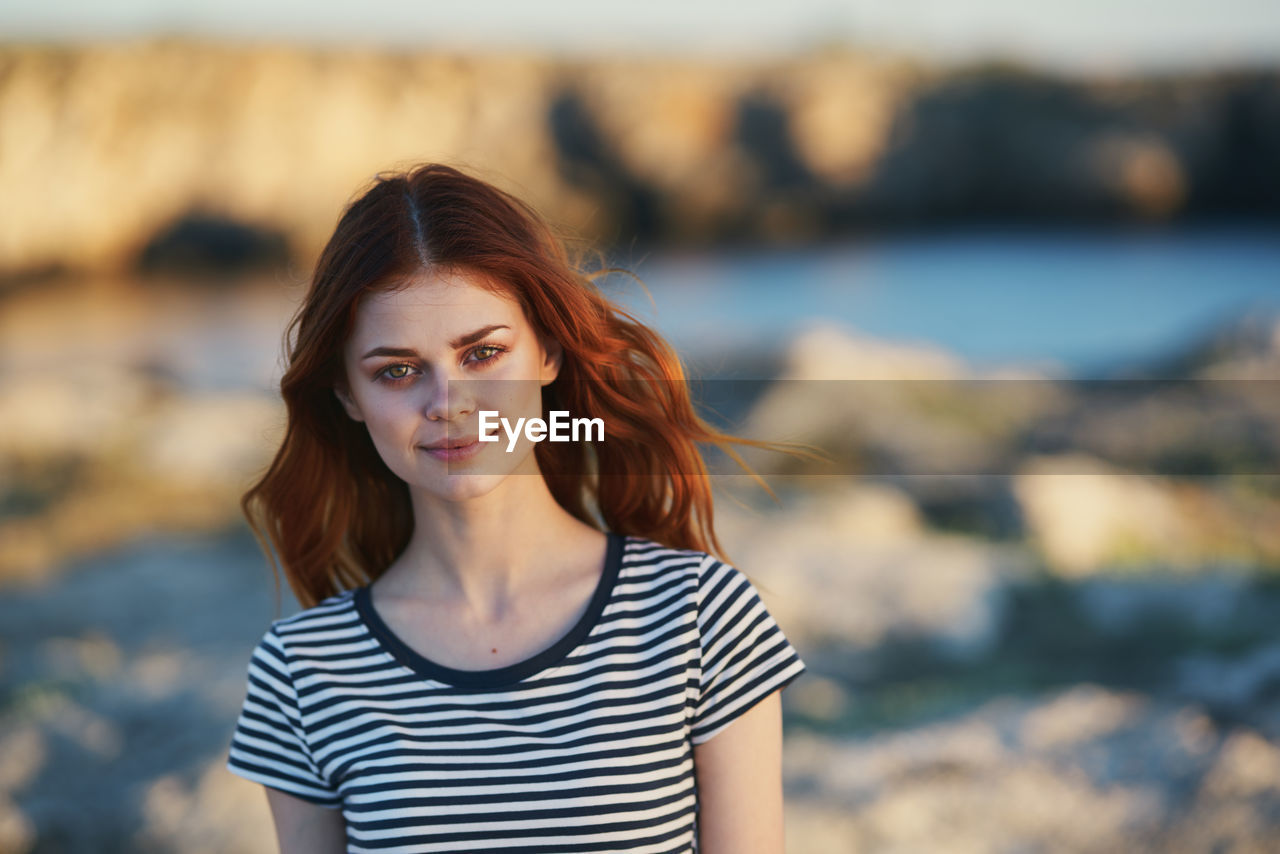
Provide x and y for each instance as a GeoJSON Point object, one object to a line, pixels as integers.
{"type": "Point", "coordinates": [584, 747]}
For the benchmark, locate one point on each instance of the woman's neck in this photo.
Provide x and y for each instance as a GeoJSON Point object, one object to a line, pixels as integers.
{"type": "Point", "coordinates": [489, 551]}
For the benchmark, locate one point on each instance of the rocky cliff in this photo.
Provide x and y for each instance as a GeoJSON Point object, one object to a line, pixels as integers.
{"type": "Point", "coordinates": [172, 153]}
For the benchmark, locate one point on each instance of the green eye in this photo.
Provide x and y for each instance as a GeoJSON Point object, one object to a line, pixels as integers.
{"type": "Point", "coordinates": [387, 375]}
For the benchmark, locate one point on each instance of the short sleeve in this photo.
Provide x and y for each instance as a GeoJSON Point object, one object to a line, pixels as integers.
{"type": "Point", "coordinates": [744, 655]}
{"type": "Point", "coordinates": [269, 745]}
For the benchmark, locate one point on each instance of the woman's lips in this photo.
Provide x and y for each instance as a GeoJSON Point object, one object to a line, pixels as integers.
{"type": "Point", "coordinates": [455, 454]}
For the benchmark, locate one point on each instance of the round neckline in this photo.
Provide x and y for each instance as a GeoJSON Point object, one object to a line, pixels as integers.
{"type": "Point", "coordinates": [511, 673]}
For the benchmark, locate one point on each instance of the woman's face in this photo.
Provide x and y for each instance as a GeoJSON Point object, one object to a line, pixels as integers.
{"type": "Point", "coordinates": [419, 367]}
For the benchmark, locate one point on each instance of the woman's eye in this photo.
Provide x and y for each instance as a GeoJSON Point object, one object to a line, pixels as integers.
{"type": "Point", "coordinates": [390, 372]}
{"type": "Point", "coordinates": [401, 372]}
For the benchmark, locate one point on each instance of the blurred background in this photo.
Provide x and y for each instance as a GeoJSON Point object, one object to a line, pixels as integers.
{"type": "Point", "coordinates": [1015, 266]}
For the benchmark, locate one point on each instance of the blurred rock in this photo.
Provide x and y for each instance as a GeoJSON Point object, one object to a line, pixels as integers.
{"type": "Point", "coordinates": [148, 134]}
{"type": "Point", "coordinates": [1095, 771]}
{"type": "Point", "coordinates": [1247, 765]}
{"type": "Point", "coordinates": [1212, 597]}
{"type": "Point", "coordinates": [17, 832]}
{"type": "Point", "coordinates": [1237, 683]}
{"type": "Point", "coordinates": [23, 750]}
{"type": "Point", "coordinates": [1245, 348]}
{"type": "Point", "coordinates": [221, 813]}
{"type": "Point", "coordinates": [130, 410]}
{"type": "Point", "coordinates": [118, 707]}
{"type": "Point", "coordinates": [841, 108]}
{"type": "Point", "coordinates": [213, 441]}
{"type": "Point", "coordinates": [662, 126]}
{"type": "Point", "coordinates": [966, 447]}
{"type": "Point", "coordinates": [123, 675]}
{"type": "Point", "coordinates": [1144, 172]}
{"type": "Point", "coordinates": [886, 408]}
{"type": "Point", "coordinates": [818, 698]}
{"type": "Point", "coordinates": [76, 411]}
{"type": "Point", "coordinates": [201, 243]}
{"type": "Point", "coordinates": [1079, 715]}
{"type": "Point", "coordinates": [150, 131]}
{"type": "Point", "coordinates": [1084, 515]}
{"type": "Point", "coordinates": [151, 459]}
{"type": "Point", "coordinates": [847, 563]}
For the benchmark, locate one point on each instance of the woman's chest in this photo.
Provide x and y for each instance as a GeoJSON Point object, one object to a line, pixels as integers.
{"type": "Point", "coordinates": [578, 707]}
{"type": "Point", "coordinates": [613, 747]}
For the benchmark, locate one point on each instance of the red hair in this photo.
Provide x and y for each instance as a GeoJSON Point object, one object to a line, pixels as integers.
{"type": "Point", "coordinates": [337, 516]}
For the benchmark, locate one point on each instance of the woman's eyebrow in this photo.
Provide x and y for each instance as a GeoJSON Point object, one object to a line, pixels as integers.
{"type": "Point", "coordinates": [461, 341]}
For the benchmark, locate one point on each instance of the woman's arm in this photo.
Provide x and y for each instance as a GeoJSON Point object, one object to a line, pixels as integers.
{"type": "Point", "coordinates": [739, 774]}
{"type": "Point", "coordinates": [306, 828]}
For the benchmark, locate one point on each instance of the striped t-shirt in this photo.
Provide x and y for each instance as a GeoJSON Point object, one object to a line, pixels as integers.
{"type": "Point", "coordinates": [585, 747]}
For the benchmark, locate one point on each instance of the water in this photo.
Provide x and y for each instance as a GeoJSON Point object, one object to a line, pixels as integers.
{"type": "Point", "coordinates": [1077, 302]}
{"type": "Point", "coordinates": [1074, 303]}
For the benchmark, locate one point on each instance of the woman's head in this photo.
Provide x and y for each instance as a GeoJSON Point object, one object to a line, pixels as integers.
{"type": "Point", "coordinates": [425, 359]}
{"type": "Point", "coordinates": [416, 262]}
{"type": "Point", "coordinates": [432, 224]}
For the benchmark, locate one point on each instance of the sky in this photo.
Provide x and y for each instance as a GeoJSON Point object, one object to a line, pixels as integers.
{"type": "Point", "coordinates": [1080, 35]}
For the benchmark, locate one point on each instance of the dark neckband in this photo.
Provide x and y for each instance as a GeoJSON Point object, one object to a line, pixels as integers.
{"type": "Point", "coordinates": [512, 673]}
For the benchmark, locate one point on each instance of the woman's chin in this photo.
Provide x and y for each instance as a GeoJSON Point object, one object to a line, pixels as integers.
{"type": "Point", "coordinates": [462, 486]}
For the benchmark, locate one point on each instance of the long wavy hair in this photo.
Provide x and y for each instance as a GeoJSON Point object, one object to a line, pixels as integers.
{"type": "Point", "coordinates": [338, 517]}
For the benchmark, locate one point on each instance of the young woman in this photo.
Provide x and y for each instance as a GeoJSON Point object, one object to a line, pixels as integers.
{"type": "Point", "coordinates": [513, 645]}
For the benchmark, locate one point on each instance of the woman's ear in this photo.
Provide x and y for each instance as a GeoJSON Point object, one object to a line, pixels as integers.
{"type": "Point", "coordinates": [347, 401]}
{"type": "Point", "coordinates": [553, 358]}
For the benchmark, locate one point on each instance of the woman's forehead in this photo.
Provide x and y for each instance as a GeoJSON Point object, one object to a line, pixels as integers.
{"type": "Point", "coordinates": [439, 287]}
{"type": "Point", "coordinates": [434, 304]}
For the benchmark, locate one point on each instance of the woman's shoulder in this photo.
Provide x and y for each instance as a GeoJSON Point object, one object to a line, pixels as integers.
{"type": "Point", "coordinates": [705, 574]}
{"type": "Point", "coordinates": [332, 611]}
{"type": "Point", "coordinates": [643, 553]}
{"type": "Point", "coordinates": [639, 545]}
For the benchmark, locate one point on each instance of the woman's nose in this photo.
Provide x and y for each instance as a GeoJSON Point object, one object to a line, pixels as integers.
{"type": "Point", "coordinates": [449, 399]}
